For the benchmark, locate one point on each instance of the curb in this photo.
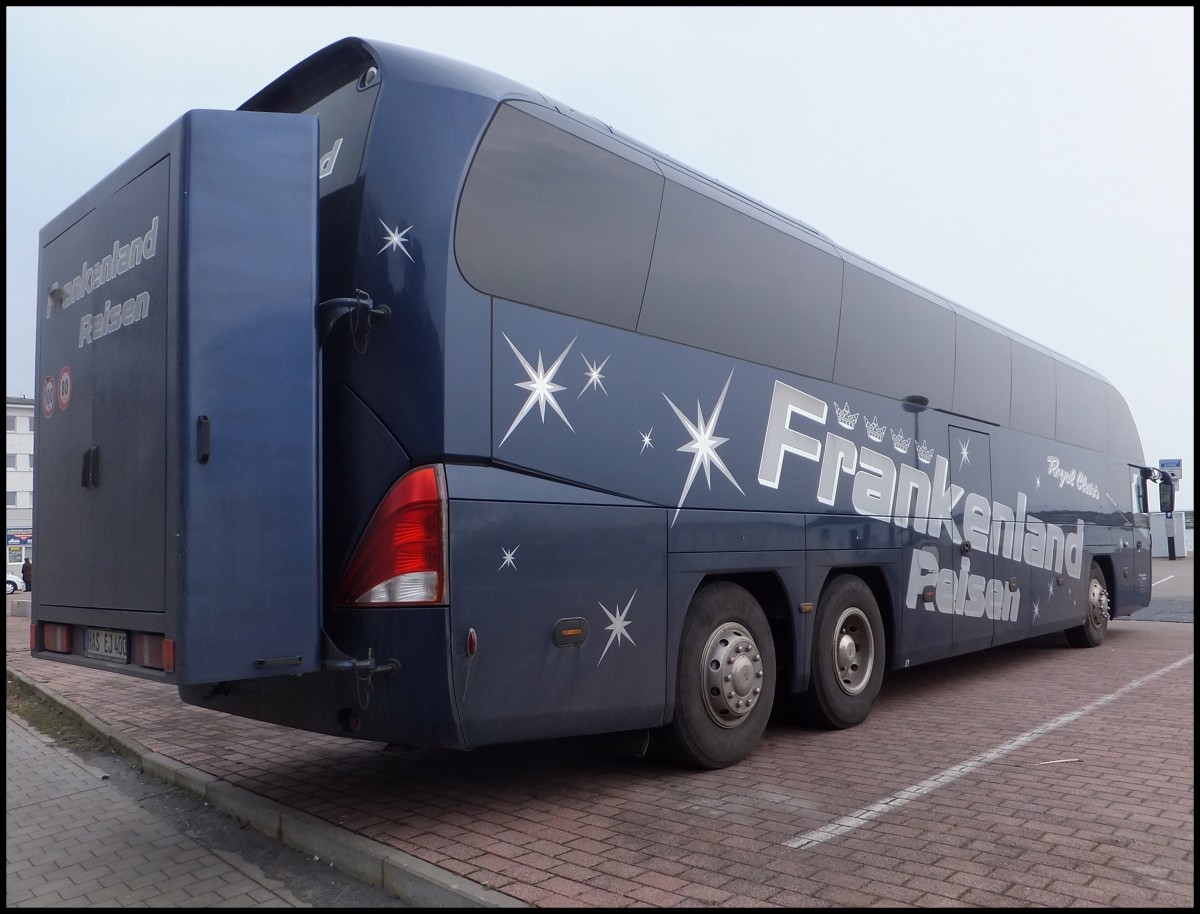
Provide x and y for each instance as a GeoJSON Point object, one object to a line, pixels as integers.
{"type": "Point", "coordinates": [412, 880]}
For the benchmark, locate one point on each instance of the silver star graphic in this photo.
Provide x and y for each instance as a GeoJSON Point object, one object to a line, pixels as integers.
{"type": "Point", "coordinates": [618, 626]}
{"type": "Point", "coordinates": [509, 560]}
{"type": "Point", "coordinates": [646, 442]}
{"type": "Point", "coordinates": [703, 445]}
{"type": "Point", "coordinates": [395, 240]}
{"type": "Point", "coordinates": [964, 447]}
{"type": "Point", "coordinates": [594, 378]}
{"type": "Point", "coordinates": [540, 385]}
{"type": "Point", "coordinates": [1037, 482]}
{"type": "Point", "coordinates": [1035, 609]}
{"type": "Point", "coordinates": [1051, 590]}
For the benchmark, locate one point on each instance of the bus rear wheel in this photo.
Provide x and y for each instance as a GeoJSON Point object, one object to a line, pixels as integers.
{"type": "Point", "coordinates": [1094, 628]}
{"type": "Point", "coordinates": [848, 655]}
{"type": "Point", "coordinates": [725, 679]}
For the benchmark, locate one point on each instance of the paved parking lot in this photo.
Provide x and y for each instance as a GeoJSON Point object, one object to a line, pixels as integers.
{"type": "Point", "coordinates": [1030, 775]}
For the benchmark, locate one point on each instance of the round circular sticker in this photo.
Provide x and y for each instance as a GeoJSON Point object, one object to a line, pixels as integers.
{"type": "Point", "coordinates": [64, 388]}
{"type": "Point", "coordinates": [49, 395]}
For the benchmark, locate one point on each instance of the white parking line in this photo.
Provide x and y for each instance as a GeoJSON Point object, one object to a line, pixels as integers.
{"type": "Point", "coordinates": [856, 820]}
{"type": "Point", "coordinates": [1163, 581]}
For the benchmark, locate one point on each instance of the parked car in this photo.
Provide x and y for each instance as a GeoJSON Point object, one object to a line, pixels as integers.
{"type": "Point", "coordinates": [13, 583]}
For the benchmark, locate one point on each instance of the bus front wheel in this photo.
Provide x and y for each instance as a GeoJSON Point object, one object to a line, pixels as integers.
{"type": "Point", "coordinates": [1091, 633]}
{"type": "Point", "coordinates": [848, 656]}
{"type": "Point", "coordinates": [725, 680]}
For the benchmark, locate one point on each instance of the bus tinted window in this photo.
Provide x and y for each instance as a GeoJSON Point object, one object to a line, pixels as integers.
{"type": "Point", "coordinates": [744, 267]}
{"type": "Point", "coordinates": [1082, 407]}
{"type": "Point", "coordinates": [1123, 440]}
{"type": "Point", "coordinates": [982, 371]}
{"type": "Point", "coordinates": [550, 220]}
{"type": "Point", "coordinates": [1033, 386]}
{"type": "Point", "coordinates": [893, 341]}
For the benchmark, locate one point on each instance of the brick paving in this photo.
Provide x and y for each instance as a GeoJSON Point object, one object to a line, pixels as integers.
{"type": "Point", "coordinates": [73, 839]}
{"type": "Point", "coordinates": [1097, 810]}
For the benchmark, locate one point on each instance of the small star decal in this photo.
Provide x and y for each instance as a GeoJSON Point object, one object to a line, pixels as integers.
{"type": "Point", "coordinates": [594, 378]}
{"type": "Point", "coordinates": [540, 385]}
{"type": "Point", "coordinates": [646, 442]}
{"type": "Point", "coordinates": [618, 626]}
{"type": "Point", "coordinates": [1037, 482]}
{"type": "Point", "coordinates": [964, 448]}
{"type": "Point", "coordinates": [1051, 590]}
{"type": "Point", "coordinates": [395, 240]}
{"type": "Point", "coordinates": [1035, 609]}
{"type": "Point", "coordinates": [509, 558]}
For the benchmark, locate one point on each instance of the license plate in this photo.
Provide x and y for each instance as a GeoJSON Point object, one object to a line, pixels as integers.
{"type": "Point", "coordinates": [105, 644]}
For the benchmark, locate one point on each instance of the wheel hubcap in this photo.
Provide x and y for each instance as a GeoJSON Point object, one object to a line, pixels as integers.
{"type": "Point", "coordinates": [853, 651]}
{"type": "Point", "coordinates": [732, 675]}
{"type": "Point", "coordinates": [1097, 603]}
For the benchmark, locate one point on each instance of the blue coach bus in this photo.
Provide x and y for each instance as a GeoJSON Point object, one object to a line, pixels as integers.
{"type": "Point", "coordinates": [408, 404]}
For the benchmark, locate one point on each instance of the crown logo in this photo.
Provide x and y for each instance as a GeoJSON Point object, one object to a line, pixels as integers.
{"type": "Point", "coordinates": [846, 419]}
{"type": "Point", "coordinates": [899, 442]}
{"type": "Point", "coordinates": [924, 452]}
{"type": "Point", "coordinates": [875, 430]}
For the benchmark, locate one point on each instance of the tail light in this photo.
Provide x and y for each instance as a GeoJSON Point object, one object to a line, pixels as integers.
{"type": "Point", "coordinates": [401, 559]}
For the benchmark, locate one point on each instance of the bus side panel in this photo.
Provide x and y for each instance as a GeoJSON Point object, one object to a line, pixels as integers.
{"type": "Point", "coordinates": [565, 607]}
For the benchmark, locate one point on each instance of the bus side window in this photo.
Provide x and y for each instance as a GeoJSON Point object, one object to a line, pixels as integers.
{"type": "Point", "coordinates": [1137, 486]}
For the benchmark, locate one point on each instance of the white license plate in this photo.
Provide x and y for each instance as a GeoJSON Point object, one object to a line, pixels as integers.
{"type": "Point", "coordinates": [105, 644]}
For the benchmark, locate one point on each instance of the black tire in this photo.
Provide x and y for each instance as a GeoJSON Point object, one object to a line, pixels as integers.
{"type": "Point", "coordinates": [725, 681]}
{"type": "Point", "coordinates": [1095, 626]}
{"type": "Point", "coordinates": [849, 651]}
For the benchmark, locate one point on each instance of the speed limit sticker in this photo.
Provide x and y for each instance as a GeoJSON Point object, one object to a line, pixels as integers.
{"type": "Point", "coordinates": [64, 388]}
{"type": "Point", "coordinates": [49, 396]}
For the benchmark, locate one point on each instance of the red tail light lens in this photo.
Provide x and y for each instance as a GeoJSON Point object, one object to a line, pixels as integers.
{"type": "Point", "coordinates": [401, 557]}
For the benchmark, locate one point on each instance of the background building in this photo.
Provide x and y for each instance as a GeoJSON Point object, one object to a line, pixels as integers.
{"type": "Point", "coordinates": [18, 480]}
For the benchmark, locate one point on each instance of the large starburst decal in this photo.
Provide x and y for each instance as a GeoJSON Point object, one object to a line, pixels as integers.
{"type": "Point", "coordinates": [540, 385]}
{"type": "Point", "coordinates": [703, 445]}
{"type": "Point", "coordinates": [618, 626]}
{"type": "Point", "coordinates": [394, 239]}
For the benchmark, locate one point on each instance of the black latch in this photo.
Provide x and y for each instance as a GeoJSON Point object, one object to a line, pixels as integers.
{"type": "Point", "coordinates": [203, 439]}
{"type": "Point", "coordinates": [91, 468]}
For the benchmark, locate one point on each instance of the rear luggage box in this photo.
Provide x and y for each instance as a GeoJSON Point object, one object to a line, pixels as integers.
{"type": "Point", "coordinates": [176, 480]}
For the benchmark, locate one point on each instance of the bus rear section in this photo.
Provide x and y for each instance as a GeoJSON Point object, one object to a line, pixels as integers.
{"type": "Point", "coordinates": [177, 497]}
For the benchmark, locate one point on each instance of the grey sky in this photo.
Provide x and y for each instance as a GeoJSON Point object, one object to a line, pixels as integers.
{"type": "Point", "coordinates": [1034, 165]}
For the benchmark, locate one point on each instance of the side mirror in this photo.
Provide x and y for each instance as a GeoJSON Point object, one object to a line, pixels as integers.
{"type": "Point", "coordinates": [1166, 495]}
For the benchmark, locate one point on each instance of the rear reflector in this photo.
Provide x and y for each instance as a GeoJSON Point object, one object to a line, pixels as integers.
{"type": "Point", "coordinates": [148, 650]}
{"type": "Point", "coordinates": [56, 637]}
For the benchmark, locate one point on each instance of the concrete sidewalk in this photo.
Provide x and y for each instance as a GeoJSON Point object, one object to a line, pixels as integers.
{"type": "Point", "coordinates": [72, 838]}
